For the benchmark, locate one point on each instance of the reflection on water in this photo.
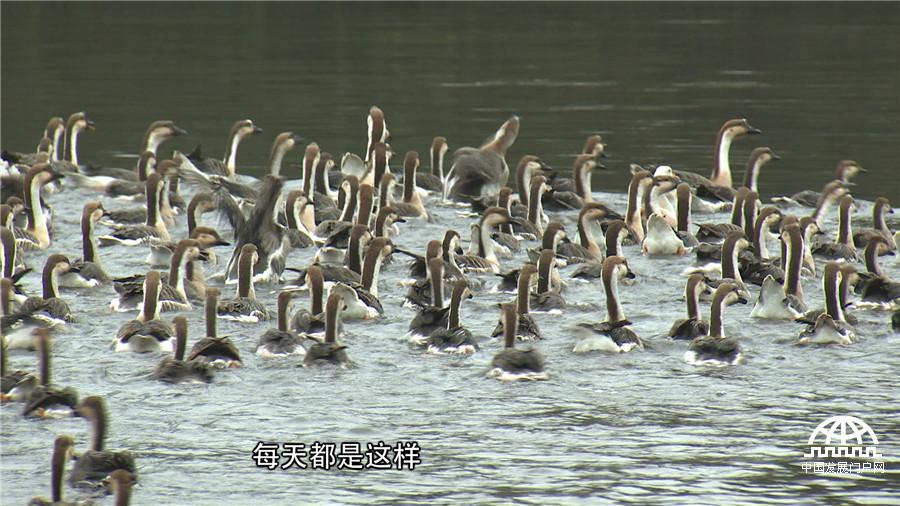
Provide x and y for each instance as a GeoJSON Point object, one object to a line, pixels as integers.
{"type": "Point", "coordinates": [656, 80]}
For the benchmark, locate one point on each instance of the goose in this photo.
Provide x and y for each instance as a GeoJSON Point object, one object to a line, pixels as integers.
{"type": "Point", "coordinates": [219, 352]}
{"type": "Point", "coordinates": [329, 351]}
{"type": "Point", "coordinates": [78, 122]}
{"type": "Point", "coordinates": [693, 326]}
{"type": "Point", "coordinates": [284, 143]}
{"type": "Point", "coordinates": [176, 369]}
{"type": "Point", "coordinates": [612, 335]}
{"type": "Point", "coordinates": [758, 265]}
{"type": "Point", "coordinates": [831, 327]}
{"type": "Point", "coordinates": [434, 316]}
{"type": "Point", "coordinates": [553, 239]}
{"type": "Point", "coordinates": [227, 167]}
{"type": "Point", "coordinates": [361, 300]}
{"type": "Point", "coordinates": [311, 321]}
{"type": "Point", "coordinates": [12, 265]}
{"type": "Point", "coordinates": [846, 170]}
{"type": "Point", "coordinates": [547, 296]}
{"type": "Point", "coordinates": [527, 328]}
{"type": "Point", "coordinates": [260, 230]}
{"type": "Point", "coordinates": [861, 237]}
{"type": "Point", "coordinates": [281, 341]}
{"type": "Point", "coordinates": [730, 131]}
{"type": "Point", "coordinates": [386, 220]}
{"type": "Point", "coordinates": [434, 182]}
{"type": "Point", "coordinates": [875, 285]}
{"type": "Point", "coordinates": [154, 227]}
{"type": "Point", "coordinates": [378, 166]}
{"type": "Point", "coordinates": [377, 130]}
{"type": "Point", "coordinates": [334, 231]}
{"type": "Point", "coordinates": [616, 232]}
{"type": "Point", "coordinates": [157, 133]}
{"type": "Point", "coordinates": [536, 216]}
{"type": "Point", "coordinates": [528, 167]}
{"type": "Point", "coordinates": [419, 292]}
{"type": "Point", "coordinates": [656, 200]}
{"type": "Point", "coordinates": [119, 484]}
{"type": "Point", "coordinates": [785, 302]}
{"type": "Point", "coordinates": [411, 206]}
{"type": "Point", "coordinates": [831, 194]}
{"type": "Point", "coordinates": [843, 248]}
{"type": "Point", "coordinates": [510, 364]}
{"type": "Point", "coordinates": [758, 157]}
{"type": "Point", "coordinates": [173, 294]}
{"type": "Point", "coordinates": [161, 251]}
{"type": "Point", "coordinates": [486, 260]}
{"type": "Point", "coordinates": [639, 179]}
{"type": "Point", "coordinates": [732, 247]}
{"type": "Point", "coordinates": [573, 193]}
{"type": "Point", "coordinates": [245, 307]}
{"type": "Point", "coordinates": [712, 232]}
{"type": "Point", "coordinates": [63, 450]}
{"type": "Point", "coordinates": [455, 338]}
{"type": "Point", "coordinates": [300, 220]}
{"type": "Point", "coordinates": [49, 307]}
{"type": "Point", "coordinates": [15, 386]}
{"type": "Point", "coordinates": [589, 229]}
{"type": "Point", "coordinates": [47, 400]}
{"type": "Point", "coordinates": [36, 235]}
{"type": "Point", "coordinates": [849, 276]}
{"type": "Point", "coordinates": [683, 218]}
{"type": "Point", "coordinates": [96, 463]}
{"type": "Point", "coordinates": [714, 349]}
{"type": "Point", "coordinates": [146, 333]}
{"type": "Point", "coordinates": [476, 172]}
{"type": "Point", "coordinates": [311, 156]}
{"type": "Point", "coordinates": [661, 238]}
{"type": "Point", "coordinates": [87, 272]}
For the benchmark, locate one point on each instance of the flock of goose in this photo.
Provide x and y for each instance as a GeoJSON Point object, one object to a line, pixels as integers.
{"type": "Point", "coordinates": [349, 209]}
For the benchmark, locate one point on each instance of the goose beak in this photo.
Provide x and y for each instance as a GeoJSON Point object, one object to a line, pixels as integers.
{"type": "Point", "coordinates": [204, 256]}
{"type": "Point", "coordinates": [256, 130]}
{"type": "Point", "coordinates": [630, 275]}
{"type": "Point", "coordinates": [221, 243]}
{"type": "Point", "coordinates": [177, 130]}
{"type": "Point", "coordinates": [753, 130]}
{"type": "Point", "coordinates": [90, 126]}
{"type": "Point", "coordinates": [296, 138]}
{"type": "Point", "coordinates": [775, 157]}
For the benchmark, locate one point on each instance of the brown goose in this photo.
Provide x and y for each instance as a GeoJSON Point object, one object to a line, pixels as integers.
{"type": "Point", "coordinates": [861, 237]}
{"type": "Point", "coordinates": [49, 307]}
{"type": "Point", "coordinates": [15, 386]}
{"type": "Point", "coordinates": [842, 248]}
{"type": "Point", "coordinates": [875, 285]}
{"type": "Point", "coordinates": [281, 341]}
{"type": "Point", "coordinates": [48, 400]}
{"type": "Point", "coordinates": [476, 172]}
{"type": "Point", "coordinates": [612, 335]}
{"type": "Point", "coordinates": [455, 338]}
{"type": "Point", "coordinates": [831, 327]}
{"type": "Point", "coordinates": [510, 364]}
{"type": "Point", "coordinates": [227, 166]}
{"type": "Point", "coordinates": [377, 130]}
{"type": "Point", "coordinates": [154, 227]}
{"type": "Point", "coordinates": [330, 351]}
{"type": "Point", "coordinates": [87, 272]}
{"type": "Point", "coordinates": [784, 301]}
{"type": "Point", "coordinates": [846, 169]}
{"type": "Point", "coordinates": [434, 181]}
{"type": "Point", "coordinates": [216, 351]}
{"type": "Point", "coordinates": [758, 158]}
{"type": "Point", "coordinates": [693, 326]}
{"type": "Point", "coordinates": [96, 463]}
{"type": "Point", "coordinates": [715, 349]}
{"type": "Point", "coordinates": [527, 328]}
{"type": "Point", "coordinates": [245, 307]}
{"type": "Point", "coordinates": [146, 333]}
{"type": "Point", "coordinates": [411, 206]}
{"type": "Point", "coordinates": [36, 235]}
{"type": "Point", "coordinates": [616, 232]}
{"type": "Point", "coordinates": [176, 369]}
{"type": "Point", "coordinates": [721, 174]}
{"type": "Point", "coordinates": [63, 450]}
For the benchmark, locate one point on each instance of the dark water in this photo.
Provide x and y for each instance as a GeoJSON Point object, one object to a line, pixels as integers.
{"type": "Point", "coordinates": [656, 80]}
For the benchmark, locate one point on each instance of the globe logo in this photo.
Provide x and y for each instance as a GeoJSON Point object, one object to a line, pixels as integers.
{"type": "Point", "coordinates": [843, 436]}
